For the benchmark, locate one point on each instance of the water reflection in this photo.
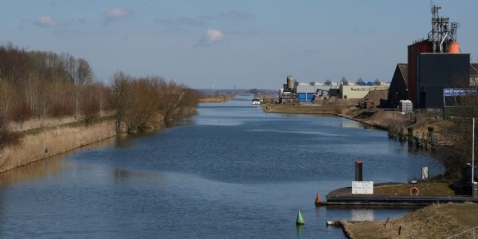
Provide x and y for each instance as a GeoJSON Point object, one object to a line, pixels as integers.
{"type": "Point", "coordinates": [362, 214]}
{"type": "Point", "coordinates": [129, 176]}
{"type": "Point", "coordinates": [33, 171]}
{"type": "Point", "coordinates": [299, 231]}
{"type": "Point", "coordinates": [244, 177]}
{"type": "Point", "coordinates": [368, 213]}
{"type": "Point", "coordinates": [49, 166]}
{"type": "Point", "coordinates": [353, 124]}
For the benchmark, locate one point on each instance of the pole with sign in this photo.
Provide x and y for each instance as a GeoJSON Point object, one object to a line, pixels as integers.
{"type": "Point", "coordinates": [473, 154]}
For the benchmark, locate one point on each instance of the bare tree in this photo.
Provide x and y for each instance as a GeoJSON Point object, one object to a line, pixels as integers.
{"type": "Point", "coordinates": [46, 84]}
{"type": "Point", "coordinates": [142, 108]}
{"type": "Point", "coordinates": [84, 72]}
{"type": "Point", "coordinates": [344, 81]}
{"type": "Point", "coordinates": [89, 104]}
{"type": "Point", "coordinates": [359, 81]}
{"type": "Point", "coordinates": [460, 112]}
{"type": "Point", "coordinates": [7, 137]}
{"type": "Point", "coordinates": [121, 81]}
{"type": "Point", "coordinates": [21, 112]}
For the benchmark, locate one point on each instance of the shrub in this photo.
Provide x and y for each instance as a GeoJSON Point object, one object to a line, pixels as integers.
{"type": "Point", "coordinates": [21, 112]}
{"type": "Point", "coordinates": [7, 137]}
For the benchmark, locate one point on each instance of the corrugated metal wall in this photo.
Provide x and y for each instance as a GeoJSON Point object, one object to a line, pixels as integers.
{"type": "Point", "coordinates": [437, 71]}
{"type": "Point", "coordinates": [306, 89]}
{"type": "Point", "coordinates": [303, 97]}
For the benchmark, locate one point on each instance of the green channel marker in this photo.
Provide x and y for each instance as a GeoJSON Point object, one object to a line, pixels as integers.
{"type": "Point", "coordinates": [300, 220]}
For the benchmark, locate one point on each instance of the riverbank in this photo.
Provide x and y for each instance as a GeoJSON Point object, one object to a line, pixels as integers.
{"type": "Point", "coordinates": [297, 108]}
{"type": "Point", "coordinates": [436, 221]}
{"type": "Point", "coordinates": [376, 118]}
{"type": "Point", "coordinates": [437, 191]}
{"type": "Point", "coordinates": [44, 138]}
{"type": "Point", "coordinates": [54, 140]}
{"type": "Point", "coordinates": [215, 99]}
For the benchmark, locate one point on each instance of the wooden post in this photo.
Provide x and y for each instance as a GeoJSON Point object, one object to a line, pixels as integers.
{"type": "Point", "coordinates": [410, 135]}
{"type": "Point", "coordinates": [358, 170]}
{"type": "Point", "coordinates": [386, 222]}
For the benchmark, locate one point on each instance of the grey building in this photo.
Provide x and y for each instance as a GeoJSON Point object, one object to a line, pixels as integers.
{"type": "Point", "coordinates": [436, 71]}
{"type": "Point", "coordinates": [398, 87]}
{"type": "Point", "coordinates": [306, 92]}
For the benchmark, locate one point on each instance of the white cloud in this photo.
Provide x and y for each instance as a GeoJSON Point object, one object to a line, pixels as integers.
{"type": "Point", "coordinates": [45, 21]}
{"type": "Point", "coordinates": [48, 21]}
{"type": "Point", "coordinates": [211, 37]}
{"type": "Point", "coordinates": [118, 13]}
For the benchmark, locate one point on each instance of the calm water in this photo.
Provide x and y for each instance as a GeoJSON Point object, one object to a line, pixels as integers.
{"type": "Point", "coordinates": [232, 171]}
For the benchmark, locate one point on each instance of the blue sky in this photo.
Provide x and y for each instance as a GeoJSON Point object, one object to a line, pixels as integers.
{"type": "Point", "coordinates": [240, 43]}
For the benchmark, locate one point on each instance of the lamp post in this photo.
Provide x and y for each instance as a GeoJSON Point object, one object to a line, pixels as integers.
{"type": "Point", "coordinates": [473, 155]}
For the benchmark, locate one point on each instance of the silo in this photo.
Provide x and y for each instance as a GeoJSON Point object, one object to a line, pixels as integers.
{"type": "Point", "coordinates": [454, 47]}
{"type": "Point", "coordinates": [413, 51]}
{"type": "Point", "coordinates": [290, 83]}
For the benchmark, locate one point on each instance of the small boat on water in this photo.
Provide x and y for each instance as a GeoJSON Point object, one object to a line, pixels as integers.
{"type": "Point", "coordinates": [256, 101]}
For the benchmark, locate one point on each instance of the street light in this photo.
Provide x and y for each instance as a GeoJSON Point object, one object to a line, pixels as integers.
{"type": "Point", "coordinates": [473, 155]}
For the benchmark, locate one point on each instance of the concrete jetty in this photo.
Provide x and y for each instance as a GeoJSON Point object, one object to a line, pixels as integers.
{"type": "Point", "coordinates": [342, 197]}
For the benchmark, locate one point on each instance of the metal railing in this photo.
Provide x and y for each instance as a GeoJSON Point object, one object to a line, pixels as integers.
{"type": "Point", "coordinates": [473, 231]}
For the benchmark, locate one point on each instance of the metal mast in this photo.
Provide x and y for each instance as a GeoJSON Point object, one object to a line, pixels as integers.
{"type": "Point", "coordinates": [442, 33]}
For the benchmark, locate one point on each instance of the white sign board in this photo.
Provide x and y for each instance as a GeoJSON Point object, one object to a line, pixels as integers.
{"type": "Point", "coordinates": [425, 173]}
{"type": "Point", "coordinates": [362, 187]}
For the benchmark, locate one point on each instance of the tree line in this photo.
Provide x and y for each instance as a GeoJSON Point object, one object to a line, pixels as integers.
{"type": "Point", "coordinates": [37, 84]}
{"type": "Point", "coordinates": [359, 81]}
{"type": "Point", "coordinates": [142, 102]}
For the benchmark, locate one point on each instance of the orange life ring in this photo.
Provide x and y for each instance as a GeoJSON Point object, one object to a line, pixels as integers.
{"type": "Point", "coordinates": [414, 191]}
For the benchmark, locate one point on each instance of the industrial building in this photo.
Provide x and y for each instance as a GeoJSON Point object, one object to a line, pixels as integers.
{"type": "Point", "coordinates": [399, 86]}
{"type": "Point", "coordinates": [438, 71]}
{"type": "Point", "coordinates": [293, 91]}
{"type": "Point", "coordinates": [434, 64]}
{"type": "Point", "coordinates": [474, 74]}
{"type": "Point", "coordinates": [359, 91]}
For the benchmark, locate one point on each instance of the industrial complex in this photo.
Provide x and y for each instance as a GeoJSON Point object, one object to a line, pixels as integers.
{"type": "Point", "coordinates": [294, 91]}
{"type": "Point", "coordinates": [435, 65]}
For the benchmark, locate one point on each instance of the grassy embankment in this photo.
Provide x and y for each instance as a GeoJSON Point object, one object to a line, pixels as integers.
{"type": "Point", "coordinates": [215, 99]}
{"type": "Point", "coordinates": [44, 138]}
{"type": "Point", "coordinates": [435, 221]}
{"type": "Point", "coordinates": [400, 189]}
{"type": "Point", "coordinates": [296, 108]}
{"type": "Point", "coordinates": [347, 109]}
{"type": "Point", "coordinates": [47, 138]}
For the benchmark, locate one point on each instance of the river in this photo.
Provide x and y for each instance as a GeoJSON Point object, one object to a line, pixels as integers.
{"type": "Point", "coordinates": [232, 171]}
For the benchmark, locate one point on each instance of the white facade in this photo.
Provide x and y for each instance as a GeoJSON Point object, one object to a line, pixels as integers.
{"type": "Point", "coordinates": [358, 92]}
